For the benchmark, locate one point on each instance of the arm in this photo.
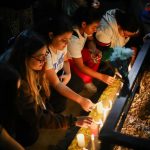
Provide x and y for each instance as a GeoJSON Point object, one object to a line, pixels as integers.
{"type": "Point", "coordinates": [46, 118]}
{"type": "Point", "coordinates": [75, 49]}
{"type": "Point", "coordinates": [34, 116]}
{"type": "Point", "coordinates": [67, 74]}
{"type": "Point", "coordinates": [7, 142]}
{"type": "Point", "coordinates": [85, 103]}
{"type": "Point", "coordinates": [83, 68]}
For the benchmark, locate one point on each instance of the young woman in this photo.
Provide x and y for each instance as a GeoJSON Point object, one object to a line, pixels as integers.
{"type": "Point", "coordinates": [116, 29]}
{"type": "Point", "coordinates": [9, 84]}
{"type": "Point", "coordinates": [84, 62]}
{"type": "Point", "coordinates": [58, 31]}
{"type": "Point", "coordinates": [29, 57]}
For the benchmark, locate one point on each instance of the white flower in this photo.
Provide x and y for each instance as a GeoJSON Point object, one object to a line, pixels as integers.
{"type": "Point", "coordinates": [121, 53]}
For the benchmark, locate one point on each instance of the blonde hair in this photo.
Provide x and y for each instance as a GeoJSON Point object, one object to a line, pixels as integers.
{"type": "Point", "coordinates": [26, 44]}
{"type": "Point", "coordinates": [36, 79]}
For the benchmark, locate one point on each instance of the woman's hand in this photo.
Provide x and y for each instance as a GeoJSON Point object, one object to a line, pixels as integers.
{"type": "Point", "coordinates": [83, 121]}
{"type": "Point", "coordinates": [107, 79]}
{"type": "Point", "coordinates": [65, 78]}
{"type": "Point", "coordinates": [87, 104]}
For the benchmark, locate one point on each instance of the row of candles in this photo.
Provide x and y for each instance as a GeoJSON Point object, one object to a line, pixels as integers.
{"type": "Point", "coordinates": [101, 112]}
{"type": "Point", "coordinates": [99, 115]}
{"type": "Point", "coordinates": [81, 141]}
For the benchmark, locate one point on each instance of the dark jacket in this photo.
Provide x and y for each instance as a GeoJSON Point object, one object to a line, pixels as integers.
{"type": "Point", "coordinates": [31, 118]}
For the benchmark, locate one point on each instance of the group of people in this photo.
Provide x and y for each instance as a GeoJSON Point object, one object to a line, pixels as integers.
{"type": "Point", "coordinates": [37, 69]}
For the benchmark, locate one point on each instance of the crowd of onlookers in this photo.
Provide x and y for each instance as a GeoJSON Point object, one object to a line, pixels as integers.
{"type": "Point", "coordinates": [36, 66]}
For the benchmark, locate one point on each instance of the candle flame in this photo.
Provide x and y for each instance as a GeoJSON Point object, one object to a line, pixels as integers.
{"type": "Point", "coordinates": [92, 137]}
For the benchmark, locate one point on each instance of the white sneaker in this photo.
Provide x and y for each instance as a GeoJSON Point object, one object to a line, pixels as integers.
{"type": "Point", "coordinates": [90, 87]}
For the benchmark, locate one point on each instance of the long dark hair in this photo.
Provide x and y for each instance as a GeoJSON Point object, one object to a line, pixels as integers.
{"type": "Point", "coordinates": [9, 79]}
{"type": "Point", "coordinates": [57, 25]}
{"type": "Point", "coordinates": [127, 20]}
{"type": "Point", "coordinates": [86, 14]}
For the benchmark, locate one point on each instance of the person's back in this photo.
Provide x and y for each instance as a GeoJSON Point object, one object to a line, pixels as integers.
{"type": "Point", "coordinates": [9, 82]}
{"type": "Point", "coordinates": [9, 79]}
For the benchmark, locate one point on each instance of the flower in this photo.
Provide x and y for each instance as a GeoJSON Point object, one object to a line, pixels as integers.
{"type": "Point", "coordinates": [121, 53]}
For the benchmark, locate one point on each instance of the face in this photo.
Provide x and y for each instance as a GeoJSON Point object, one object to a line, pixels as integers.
{"type": "Point", "coordinates": [126, 34]}
{"type": "Point", "coordinates": [91, 28]}
{"type": "Point", "coordinates": [37, 60]}
{"type": "Point", "coordinates": [59, 42]}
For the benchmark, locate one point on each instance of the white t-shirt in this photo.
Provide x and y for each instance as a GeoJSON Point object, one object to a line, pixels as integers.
{"type": "Point", "coordinates": [107, 31]}
{"type": "Point", "coordinates": [56, 60]}
{"type": "Point", "coordinates": [76, 44]}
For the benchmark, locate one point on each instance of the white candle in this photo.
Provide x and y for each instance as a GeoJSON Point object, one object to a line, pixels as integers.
{"type": "Point", "coordinates": [100, 125]}
{"type": "Point", "coordinates": [99, 107]}
{"type": "Point", "coordinates": [110, 104]}
{"type": "Point", "coordinates": [105, 111]}
{"type": "Point", "coordinates": [117, 93]}
{"type": "Point", "coordinates": [92, 141]}
{"type": "Point", "coordinates": [81, 140]}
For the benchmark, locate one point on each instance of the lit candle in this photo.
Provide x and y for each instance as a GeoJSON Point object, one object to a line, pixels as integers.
{"type": "Point", "coordinates": [94, 128]}
{"type": "Point", "coordinates": [117, 93]}
{"type": "Point", "coordinates": [100, 125]}
{"type": "Point", "coordinates": [110, 104]}
{"type": "Point", "coordinates": [99, 107]}
{"type": "Point", "coordinates": [98, 113]}
{"type": "Point", "coordinates": [105, 113]}
{"type": "Point", "coordinates": [121, 85]}
{"type": "Point", "coordinates": [81, 140]}
{"type": "Point", "coordinates": [92, 141]}
{"type": "Point", "coordinates": [106, 110]}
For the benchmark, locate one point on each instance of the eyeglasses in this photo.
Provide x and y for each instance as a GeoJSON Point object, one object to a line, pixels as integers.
{"type": "Point", "coordinates": [42, 58]}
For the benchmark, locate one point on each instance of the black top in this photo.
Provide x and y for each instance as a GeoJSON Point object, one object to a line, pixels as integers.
{"type": "Point", "coordinates": [31, 117]}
